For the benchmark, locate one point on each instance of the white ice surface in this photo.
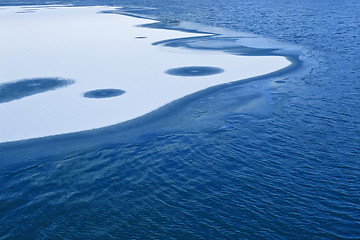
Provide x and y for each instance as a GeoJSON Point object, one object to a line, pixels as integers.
{"type": "Point", "coordinates": [100, 51]}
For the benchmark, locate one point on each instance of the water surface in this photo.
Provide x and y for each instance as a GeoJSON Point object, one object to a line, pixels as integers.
{"type": "Point", "coordinates": [269, 159]}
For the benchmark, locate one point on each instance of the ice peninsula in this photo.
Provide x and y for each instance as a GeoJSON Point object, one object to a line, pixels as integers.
{"type": "Point", "coordinates": [68, 69]}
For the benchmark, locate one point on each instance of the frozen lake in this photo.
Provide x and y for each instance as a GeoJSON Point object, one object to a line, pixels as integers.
{"type": "Point", "coordinates": [271, 157]}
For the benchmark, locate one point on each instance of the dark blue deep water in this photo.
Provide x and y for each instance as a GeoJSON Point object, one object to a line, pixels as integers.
{"type": "Point", "coordinates": [275, 158]}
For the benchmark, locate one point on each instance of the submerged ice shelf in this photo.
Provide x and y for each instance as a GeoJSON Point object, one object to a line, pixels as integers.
{"type": "Point", "coordinates": [117, 73]}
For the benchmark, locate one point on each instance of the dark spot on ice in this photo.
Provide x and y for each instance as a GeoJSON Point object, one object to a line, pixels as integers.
{"type": "Point", "coordinates": [104, 93]}
{"type": "Point", "coordinates": [140, 37]}
{"type": "Point", "coordinates": [27, 87]}
{"type": "Point", "coordinates": [194, 71]}
{"type": "Point", "coordinates": [26, 11]}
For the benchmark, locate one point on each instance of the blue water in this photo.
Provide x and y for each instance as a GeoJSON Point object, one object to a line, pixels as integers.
{"type": "Point", "coordinates": [275, 158]}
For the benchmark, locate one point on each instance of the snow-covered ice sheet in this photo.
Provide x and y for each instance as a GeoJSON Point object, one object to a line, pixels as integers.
{"type": "Point", "coordinates": [101, 52]}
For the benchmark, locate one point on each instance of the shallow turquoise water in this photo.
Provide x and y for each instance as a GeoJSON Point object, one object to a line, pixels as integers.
{"type": "Point", "coordinates": [276, 158]}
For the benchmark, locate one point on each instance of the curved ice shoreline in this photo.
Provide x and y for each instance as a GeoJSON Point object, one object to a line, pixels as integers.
{"type": "Point", "coordinates": [99, 51]}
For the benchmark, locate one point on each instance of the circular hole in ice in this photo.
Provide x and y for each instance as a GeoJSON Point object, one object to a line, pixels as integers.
{"type": "Point", "coordinates": [194, 71]}
{"type": "Point", "coordinates": [27, 87]}
{"type": "Point", "coordinates": [104, 93]}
